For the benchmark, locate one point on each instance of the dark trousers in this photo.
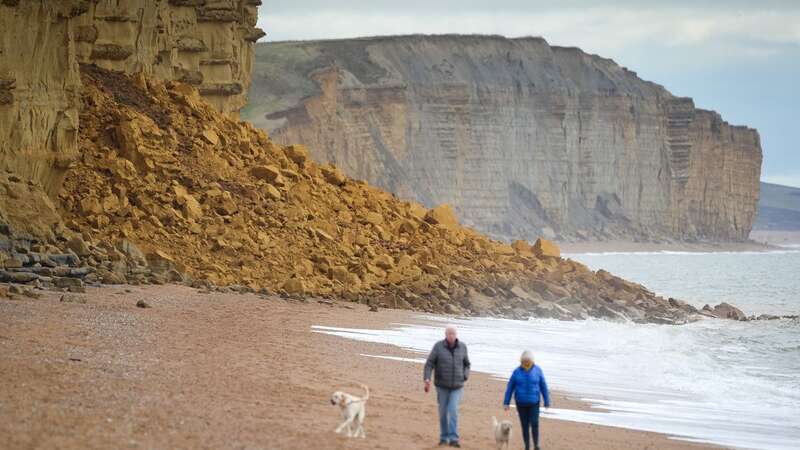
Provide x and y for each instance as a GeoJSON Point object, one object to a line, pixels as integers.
{"type": "Point", "coordinates": [529, 419]}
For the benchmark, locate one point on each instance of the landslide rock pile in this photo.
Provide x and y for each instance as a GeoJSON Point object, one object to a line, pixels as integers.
{"type": "Point", "coordinates": [168, 189]}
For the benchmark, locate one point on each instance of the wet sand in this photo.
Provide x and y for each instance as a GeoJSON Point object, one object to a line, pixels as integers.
{"type": "Point", "coordinates": [221, 371]}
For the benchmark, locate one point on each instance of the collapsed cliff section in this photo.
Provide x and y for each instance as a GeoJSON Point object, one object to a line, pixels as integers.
{"type": "Point", "coordinates": [206, 200]}
{"type": "Point", "coordinates": [208, 43]}
{"type": "Point", "coordinates": [524, 139]}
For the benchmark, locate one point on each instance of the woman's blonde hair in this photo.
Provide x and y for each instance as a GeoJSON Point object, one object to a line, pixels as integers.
{"type": "Point", "coordinates": [527, 355]}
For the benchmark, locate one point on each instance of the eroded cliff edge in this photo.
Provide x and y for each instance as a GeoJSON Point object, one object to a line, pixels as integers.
{"type": "Point", "coordinates": [206, 43]}
{"type": "Point", "coordinates": [522, 138]}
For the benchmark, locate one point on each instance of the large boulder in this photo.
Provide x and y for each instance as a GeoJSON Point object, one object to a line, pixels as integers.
{"type": "Point", "coordinates": [189, 205]}
{"type": "Point", "coordinates": [725, 311]}
{"type": "Point", "coordinates": [271, 192]}
{"type": "Point", "coordinates": [297, 153]}
{"type": "Point", "coordinates": [191, 208]}
{"type": "Point", "coordinates": [442, 215]}
{"type": "Point", "coordinates": [160, 261]}
{"type": "Point", "coordinates": [267, 172]}
{"type": "Point", "coordinates": [210, 136]}
{"type": "Point", "coordinates": [78, 245]}
{"type": "Point", "coordinates": [384, 261]}
{"type": "Point", "coordinates": [374, 218]}
{"type": "Point", "coordinates": [294, 286]}
{"type": "Point", "coordinates": [130, 250]}
{"type": "Point", "coordinates": [333, 175]}
{"type": "Point", "coordinates": [522, 248]}
{"type": "Point", "coordinates": [543, 247]}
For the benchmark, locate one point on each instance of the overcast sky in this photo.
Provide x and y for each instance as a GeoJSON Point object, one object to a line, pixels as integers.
{"type": "Point", "coordinates": [741, 58]}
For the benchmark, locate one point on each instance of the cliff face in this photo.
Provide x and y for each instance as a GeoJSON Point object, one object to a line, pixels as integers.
{"type": "Point", "coordinates": [203, 42]}
{"type": "Point", "coordinates": [524, 139]}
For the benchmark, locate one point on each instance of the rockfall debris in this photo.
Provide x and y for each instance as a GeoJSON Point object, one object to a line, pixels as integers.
{"type": "Point", "coordinates": [167, 189]}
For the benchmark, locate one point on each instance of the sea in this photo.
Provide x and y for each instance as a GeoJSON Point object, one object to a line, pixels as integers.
{"type": "Point", "coordinates": [735, 384]}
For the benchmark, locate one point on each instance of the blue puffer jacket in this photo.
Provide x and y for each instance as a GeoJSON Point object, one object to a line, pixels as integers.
{"type": "Point", "coordinates": [527, 386]}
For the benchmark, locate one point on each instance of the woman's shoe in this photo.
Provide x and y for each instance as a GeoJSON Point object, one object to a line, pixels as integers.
{"type": "Point", "coordinates": [455, 444]}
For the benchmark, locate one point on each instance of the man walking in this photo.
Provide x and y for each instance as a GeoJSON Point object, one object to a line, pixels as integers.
{"type": "Point", "coordinates": [450, 362]}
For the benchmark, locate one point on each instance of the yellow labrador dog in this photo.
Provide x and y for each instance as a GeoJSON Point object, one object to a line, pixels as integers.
{"type": "Point", "coordinates": [502, 433]}
{"type": "Point", "coordinates": [353, 412]}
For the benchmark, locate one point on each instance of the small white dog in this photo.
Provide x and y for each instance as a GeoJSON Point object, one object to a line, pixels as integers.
{"type": "Point", "coordinates": [502, 433]}
{"type": "Point", "coordinates": [353, 412]}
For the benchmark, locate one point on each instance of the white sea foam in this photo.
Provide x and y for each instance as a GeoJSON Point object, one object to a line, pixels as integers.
{"type": "Point", "coordinates": [729, 383]}
{"type": "Point", "coordinates": [700, 382]}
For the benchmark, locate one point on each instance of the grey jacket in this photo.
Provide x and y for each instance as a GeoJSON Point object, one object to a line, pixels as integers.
{"type": "Point", "coordinates": [451, 365]}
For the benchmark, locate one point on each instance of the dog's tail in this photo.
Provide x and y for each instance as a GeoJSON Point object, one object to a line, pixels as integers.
{"type": "Point", "coordinates": [494, 421]}
{"type": "Point", "coordinates": [366, 392]}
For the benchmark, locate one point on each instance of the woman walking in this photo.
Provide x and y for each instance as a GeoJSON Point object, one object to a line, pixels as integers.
{"type": "Point", "coordinates": [528, 386]}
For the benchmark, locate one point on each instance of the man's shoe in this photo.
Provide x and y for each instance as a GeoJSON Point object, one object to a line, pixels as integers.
{"type": "Point", "coordinates": [455, 444]}
{"type": "Point", "coordinates": [442, 443]}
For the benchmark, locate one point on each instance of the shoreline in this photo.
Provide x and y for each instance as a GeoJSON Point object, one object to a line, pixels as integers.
{"type": "Point", "coordinates": [760, 241]}
{"type": "Point", "coordinates": [224, 370]}
{"type": "Point", "coordinates": [650, 247]}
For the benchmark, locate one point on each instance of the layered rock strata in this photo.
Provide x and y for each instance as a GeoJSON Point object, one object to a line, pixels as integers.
{"type": "Point", "coordinates": [207, 43]}
{"type": "Point", "coordinates": [522, 138]}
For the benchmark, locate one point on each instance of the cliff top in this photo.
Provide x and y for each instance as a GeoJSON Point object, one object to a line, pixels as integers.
{"type": "Point", "coordinates": [287, 64]}
{"type": "Point", "coordinates": [469, 59]}
{"type": "Point", "coordinates": [413, 37]}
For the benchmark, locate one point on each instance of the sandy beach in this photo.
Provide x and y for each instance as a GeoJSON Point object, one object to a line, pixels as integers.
{"type": "Point", "coordinates": [224, 370]}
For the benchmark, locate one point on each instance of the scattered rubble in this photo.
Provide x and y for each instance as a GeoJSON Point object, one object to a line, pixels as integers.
{"type": "Point", "coordinates": [166, 189]}
{"type": "Point", "coordinates": [190, 194]}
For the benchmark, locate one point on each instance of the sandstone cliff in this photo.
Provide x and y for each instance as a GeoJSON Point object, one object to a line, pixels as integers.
{"type": "Point", "coordinates": [523, 138]}
{"type": "Point", "coordinates": [207, 43]}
